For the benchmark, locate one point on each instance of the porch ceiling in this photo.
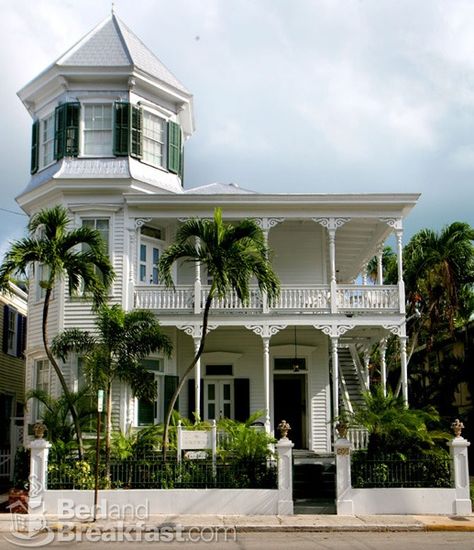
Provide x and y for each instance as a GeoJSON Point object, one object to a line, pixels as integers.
{"type": "Point", "coordinates": [356, 243]}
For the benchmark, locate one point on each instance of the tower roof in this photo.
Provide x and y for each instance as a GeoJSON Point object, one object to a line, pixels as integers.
{"type": "Point", "coordinates": [112, 44]}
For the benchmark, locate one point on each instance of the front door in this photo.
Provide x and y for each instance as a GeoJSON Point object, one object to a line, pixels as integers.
{"type": "Point", "coordinates": [289, 403]}
{"type": "Point", "coordinates": [218, 399]}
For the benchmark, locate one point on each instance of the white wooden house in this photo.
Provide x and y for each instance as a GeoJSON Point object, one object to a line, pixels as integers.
{"type": "Point", "coordinates": [110, 122]}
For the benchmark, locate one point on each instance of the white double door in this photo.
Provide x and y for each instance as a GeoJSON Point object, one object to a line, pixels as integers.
{"type": "Point", "coordinates": [218, 399]}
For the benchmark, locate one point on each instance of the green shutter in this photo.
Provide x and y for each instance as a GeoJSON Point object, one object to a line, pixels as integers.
{"type": "Point", "coordinates": [174, 147]}
{"type": "Point", "coordinates": [6, 315]}
{"type": "Point", "coordinates": [136, 132]}
{"type": "Point", "coordinates": [121, 128]}
{"type": "Point", "coordinates": [171, 383]}
{"type": "Point", "coordinates": [241, 399]}
{"type": "Point", "coordinates": [35, 147]}
{"type": "Point", "coordinates": [66, 134]}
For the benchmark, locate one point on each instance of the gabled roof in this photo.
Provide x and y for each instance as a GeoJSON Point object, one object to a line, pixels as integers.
{"type": "Point", "coordinates": [219, 189]}
{"type": "Point", "coordinates": [112, 44]}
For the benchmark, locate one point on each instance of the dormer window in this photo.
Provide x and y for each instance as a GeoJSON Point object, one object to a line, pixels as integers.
{"type": "Point", "coordinates": [47, 140]}
{"type": "Point", "coordinates": [97, 130]}
{"type": "Point", "coordinates": [153, 139]}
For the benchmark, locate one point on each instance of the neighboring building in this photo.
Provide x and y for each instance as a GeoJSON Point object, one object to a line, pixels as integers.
{"type": "Point", "coordinates": [109, 126]}
{"type": "Point", "coordinates": [12, 374]}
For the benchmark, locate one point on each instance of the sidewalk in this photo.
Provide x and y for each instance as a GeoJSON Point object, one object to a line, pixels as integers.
{"type": "Point", "coordinates": [308, 523]}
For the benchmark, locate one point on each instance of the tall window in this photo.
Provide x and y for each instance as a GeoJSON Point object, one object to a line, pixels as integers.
{"type": "Point", "coordinates": [41, 278]}
{"type": "Point", "coordinates": [97, 129]}
{"type": "Point", "coordinates": [43, 382]}
{"type": "Point", "coordinates": [12, 331]}
{"type": "Point", "coordinates": [47, 141]}
{"type": "Point", "coordinates": [102, 226]}
{"type": "Point", "coordinates": [150, 413]}
{"type": "Point", "coordinates": [153, 139]}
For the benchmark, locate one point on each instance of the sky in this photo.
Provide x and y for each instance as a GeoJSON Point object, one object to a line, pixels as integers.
{"type": "Point", "coordinates": [310, 96]}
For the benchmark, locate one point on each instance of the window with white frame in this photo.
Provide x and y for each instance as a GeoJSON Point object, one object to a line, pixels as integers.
{"type": "Point", "coordinates": [97, 129]}
{"type": "Point", "coordinates": [102, 226]}
{"type": "Point", "coordinates": [47, 141]}
{"type": "Point", "coordinates": [153, 139]}
{"type": "Point", "coordinates": [43, 382]}
{"type": "Point", "coordinates": [12, 331]}
{"type": "Point", "coordinates": [41, 279]}
{"type": "Point", "coordinates": [147, 412]}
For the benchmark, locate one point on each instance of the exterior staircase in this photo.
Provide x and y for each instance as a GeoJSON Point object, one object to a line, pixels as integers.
{"type": "Point", "coordinates": [350, 383]}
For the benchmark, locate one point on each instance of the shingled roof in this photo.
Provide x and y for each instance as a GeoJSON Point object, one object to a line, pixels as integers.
{"type": "Point", "coordinates": [112, 44]}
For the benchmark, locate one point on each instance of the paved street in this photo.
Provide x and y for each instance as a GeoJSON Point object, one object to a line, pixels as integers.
{"type": "Point", "coordinates": [299, 541]}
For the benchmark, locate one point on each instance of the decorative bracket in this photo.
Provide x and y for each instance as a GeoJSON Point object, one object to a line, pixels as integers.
{"type": "Point", "coordinates": [140, 222]}
{"type": "Point", "coordinates": [394, 223]}
{"type": "Point", "coordinates": [267, 223]}
{"type": "Point", "coordinates": [265, 331]}
{"type": "Point", "coordinates": [196, 330]}
{"type": "Point", "coordinates": [331, 224]}
{"type": "Point", "coordinates": [334, 331]}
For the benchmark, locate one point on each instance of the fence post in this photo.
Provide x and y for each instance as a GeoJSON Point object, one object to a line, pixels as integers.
{"type": "Point", "coordinates": [344, 503]}
{"type": "Point", "coordinates": [458, 450]}
{"type": "Point", "coordinates": [285, 476]}
{"type": "Point", "coordinates": [38, 478]}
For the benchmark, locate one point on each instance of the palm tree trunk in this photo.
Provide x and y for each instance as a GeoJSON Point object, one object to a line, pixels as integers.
{"type": "Point", "coordinates": [60, 375]}
{"type": "Point", "coordinates": [108, 428]}
{"type": "Point", "coordinates": [191, 366]}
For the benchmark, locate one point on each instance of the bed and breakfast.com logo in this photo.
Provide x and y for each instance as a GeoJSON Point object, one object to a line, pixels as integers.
{"type": "Point", "coordinates": [30, 528]}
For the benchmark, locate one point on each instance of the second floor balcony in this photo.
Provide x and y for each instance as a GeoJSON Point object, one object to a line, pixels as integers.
{"type": "Point", "coordinates": [348, 299]}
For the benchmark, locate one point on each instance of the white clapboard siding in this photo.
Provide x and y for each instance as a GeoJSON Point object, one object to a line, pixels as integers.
{"type": "Point", "coordinates": [297, 253]}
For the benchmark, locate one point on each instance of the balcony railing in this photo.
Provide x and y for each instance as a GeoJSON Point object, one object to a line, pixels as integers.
{"type": "Point", "coordinates": [292, 298]}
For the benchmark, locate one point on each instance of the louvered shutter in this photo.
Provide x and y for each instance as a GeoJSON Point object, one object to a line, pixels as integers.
{"type": "Point", "coordinates": [35, 147]}
{"type": "Point", "coordinates": [121, 128]}
{"type": "Point", "coordinates": [174, 147]}
{"type": "Point", "coordinates": [136, 132]}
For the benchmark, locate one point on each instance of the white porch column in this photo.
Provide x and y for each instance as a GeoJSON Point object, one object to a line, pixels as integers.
{"type": "Point", "coordinates": [401, 284]}
{"type": "Point", "coordinates": [332, 224]}
{"type": "Point", "coordinates": [364, 274]}
{"type": "Point", "coordinates": [197, 284]}
{"type": "Point", "coordinates": [197, 382]}
{"type": "Point", "coordinates": [335, 376]}
{"type": "Point", "coordinates": [383, 365]}
{"type": "Point", "coordinates": [332, 268]}
{"type": "Point", "coordinates": [265, 225]}
{"type": "Point", "coordinates": [266, 380]}
{"type": "Point", "coordinates": [403, 366]}
{"type": "Point", "coordinates": [380, 266]}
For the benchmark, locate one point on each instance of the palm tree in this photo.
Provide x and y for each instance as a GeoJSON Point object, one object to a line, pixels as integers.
{"type": "Point", "coordinates": [77, 253]}
{"type": "Point", "coordinates": [115, 351]}
{"type": "Point", "coordinates": [439, 272]}
{"type": "Point", "coordinates": [389, 261]}
{"type": "Point", "coordinates": [232, 255]}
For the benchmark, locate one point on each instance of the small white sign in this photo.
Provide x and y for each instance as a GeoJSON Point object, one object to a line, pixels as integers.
{"type": "Point", "coordinates": [195, 455]}
{"type": "Point", "coordinates": [196, 439]}
{"type": "Point", "coordinates": [100, 400]}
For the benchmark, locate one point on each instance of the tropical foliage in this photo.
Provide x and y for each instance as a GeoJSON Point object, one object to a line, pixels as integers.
{"type": "Point", "coordinates": [115, 351]}
{"type": "Point", "coordinates": [55, 414]}
{"type": "Point", "coordinates": [395, 429]}
{"type": "Point", "coordinates": [61, 252]}
{"type": "Point", "coordinates": [233, 255]}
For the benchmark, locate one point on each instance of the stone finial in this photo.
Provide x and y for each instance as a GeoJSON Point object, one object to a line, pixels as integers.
{"type": "Point", "coordinates": [342, 428]}
{"type": "Point", "coordinates": [38, 429]}
{"type": "Point", "coordinates": [457, 426]}
{"type": "Point", "coordinates": [284, 428]}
